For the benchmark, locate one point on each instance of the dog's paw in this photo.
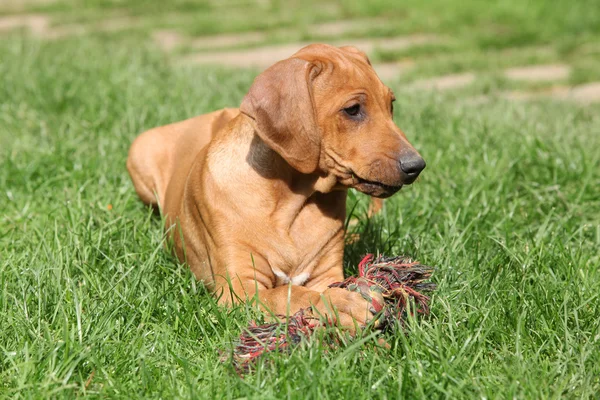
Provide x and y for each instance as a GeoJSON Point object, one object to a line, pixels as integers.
{"type": "Point", "coordinates": [344, 308]}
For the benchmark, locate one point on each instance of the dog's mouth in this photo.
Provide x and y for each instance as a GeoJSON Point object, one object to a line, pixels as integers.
{"type": "Point", "coordinates": [373, 188]}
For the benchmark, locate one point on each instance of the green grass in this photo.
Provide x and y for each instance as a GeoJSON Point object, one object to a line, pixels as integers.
{"type": "Point", "coordinates": [508, 210]}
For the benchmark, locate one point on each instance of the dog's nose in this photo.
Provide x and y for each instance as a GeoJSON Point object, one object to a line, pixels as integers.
{"type": "Point", "coordinates": [412, 165]}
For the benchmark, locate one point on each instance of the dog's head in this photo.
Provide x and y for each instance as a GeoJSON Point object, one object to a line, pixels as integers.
{"type": "Point", "coordinates": [324, 110]}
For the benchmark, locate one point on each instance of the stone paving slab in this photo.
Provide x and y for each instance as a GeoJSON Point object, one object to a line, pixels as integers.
{"type": "Point", "coordinates": [40, 25]}
{"type": "Point", "coordinates": [37, 24]}
{"type": "Point", "coordinates": [587, 93]}
{"type": "Point", "coordinates": [169, 40]}
{"type": "Point", "coordinates": [445, 82]}
{"type": "Point", "coordinates": [538, 73]}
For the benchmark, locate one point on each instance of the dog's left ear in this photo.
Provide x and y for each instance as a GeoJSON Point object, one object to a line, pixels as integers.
{"type": "Point", "coordinates": [281, 103]}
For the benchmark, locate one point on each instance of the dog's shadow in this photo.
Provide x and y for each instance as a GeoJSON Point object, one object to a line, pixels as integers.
{"type": "Point", "coordinates": [380, 233]}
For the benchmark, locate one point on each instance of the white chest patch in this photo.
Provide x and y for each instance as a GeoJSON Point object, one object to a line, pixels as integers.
{"type": "Point", "coordinates": [300, 279]}
{"type": "Point", "coordinates": [297, 280]}
{"type": "Point", "coordinates": [281, 275]}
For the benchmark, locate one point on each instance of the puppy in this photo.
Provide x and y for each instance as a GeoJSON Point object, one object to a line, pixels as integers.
{"type": "Point", "coordinates": [255, 198]}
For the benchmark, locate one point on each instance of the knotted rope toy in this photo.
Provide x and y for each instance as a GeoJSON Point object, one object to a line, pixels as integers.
{"type": "Point", "coordinates": [389, 283]}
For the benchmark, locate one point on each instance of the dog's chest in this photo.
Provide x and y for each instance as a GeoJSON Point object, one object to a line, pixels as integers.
{"type": "Point", "coordinates": [316, 233]}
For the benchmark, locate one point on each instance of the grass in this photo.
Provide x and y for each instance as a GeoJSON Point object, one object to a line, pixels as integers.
{"type": "Point", "coordinates": [508, 210]}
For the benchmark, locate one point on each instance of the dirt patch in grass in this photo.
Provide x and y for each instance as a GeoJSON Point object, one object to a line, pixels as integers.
{"type": "Point", "coordinates": [21, 5]}
{"type": "Point", "coordinates": [37, 24]}
{"type": "Point", "coordinates": [584, 94]}
{"type": "Point", "coordinates": [536, 73]}
{"type": "Point", "coordinates": [445, 82]}
{"type": "Point", "coordinates": [587, 93]}
{"type": "Point", "coordinates": [169, 40]}
{"type": "Point", "coordinates": [40, 25]}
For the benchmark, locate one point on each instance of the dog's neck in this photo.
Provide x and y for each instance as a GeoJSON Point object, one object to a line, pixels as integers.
{"type": "Point", "coordinates": [269, 164]}
{"type": "Point", "coordinates": [297, 188]}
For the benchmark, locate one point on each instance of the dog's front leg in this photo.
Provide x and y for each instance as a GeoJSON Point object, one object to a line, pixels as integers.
{"type": "Point", "coordinates": [340, 305]}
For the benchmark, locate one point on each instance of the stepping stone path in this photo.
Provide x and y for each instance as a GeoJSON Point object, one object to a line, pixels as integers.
{"type": "Point", "coordinates": [217, 49]}
{"type": "Point", "coordinates": [584, 94]}
{"type": "Point", "coordinates": [36, 24]}
{"type": "Point", "coordinates": [539, 73]}
{"type": "Point", "coordinates": [446, 82]}
{"type": "Point", "coordinates": [40, 25]}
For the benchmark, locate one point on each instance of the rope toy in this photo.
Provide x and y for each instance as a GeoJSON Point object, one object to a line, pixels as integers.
{"type": "Point", "coordinates": [389, 283]}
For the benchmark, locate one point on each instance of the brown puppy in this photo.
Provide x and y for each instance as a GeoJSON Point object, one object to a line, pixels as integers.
{"type": "Point", "coordinates": [255, 198]}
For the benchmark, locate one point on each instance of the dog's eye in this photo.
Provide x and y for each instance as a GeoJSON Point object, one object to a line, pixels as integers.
{"type": "Point", "coordinates": [352, 110]}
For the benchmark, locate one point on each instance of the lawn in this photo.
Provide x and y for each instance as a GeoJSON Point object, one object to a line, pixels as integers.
{"type": "Point", "coordinates": [508, 210]}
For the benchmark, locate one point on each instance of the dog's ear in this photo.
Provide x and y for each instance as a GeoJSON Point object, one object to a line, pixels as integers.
{"type": "Point", "coordinates": [359, 53]}
{"type": "Point", "coordinates": [281, 103]}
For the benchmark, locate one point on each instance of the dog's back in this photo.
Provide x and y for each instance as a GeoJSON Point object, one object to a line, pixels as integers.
{"type": "Point", "coordinates": [159, 154]}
